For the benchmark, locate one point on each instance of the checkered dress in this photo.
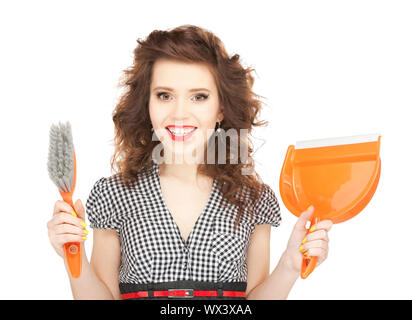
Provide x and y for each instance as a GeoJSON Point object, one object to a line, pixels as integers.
{"type": "Point", "coordinates": [152, 247]}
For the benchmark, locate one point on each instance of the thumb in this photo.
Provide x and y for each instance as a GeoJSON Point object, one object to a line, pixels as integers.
{"type": "Point", "coordinates": [304, 217]}
{"type": "Point", "coordinates": [78, 205]}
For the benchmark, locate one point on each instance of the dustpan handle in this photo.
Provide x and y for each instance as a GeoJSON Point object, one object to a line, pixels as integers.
{"type": "Point", "coordinates": [308, 263]}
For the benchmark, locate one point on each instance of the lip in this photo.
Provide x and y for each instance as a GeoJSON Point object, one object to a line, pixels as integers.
{"type": "Point", "coordinates": [181, 138]}
{"type": "Point", "coordinates": [180, 127]}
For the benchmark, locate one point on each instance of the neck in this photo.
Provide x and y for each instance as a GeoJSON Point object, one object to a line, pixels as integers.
{"type": "Point", "coordinates": [181, 171]}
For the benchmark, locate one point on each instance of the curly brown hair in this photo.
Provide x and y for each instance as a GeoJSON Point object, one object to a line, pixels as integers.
{"type": "Point", "coordinates": [133, 137]}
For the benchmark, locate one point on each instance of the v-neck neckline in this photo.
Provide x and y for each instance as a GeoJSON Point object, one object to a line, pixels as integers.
{"type": "Point", "coordinates": [168, 213]}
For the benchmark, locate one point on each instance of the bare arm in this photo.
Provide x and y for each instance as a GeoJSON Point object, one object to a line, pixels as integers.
{"type": "Point", "coordinates": [261, 284]}
{"type": "Point", "coordinates": [279, 283]}
{"type": "Point", "coordinates": [99, 278]}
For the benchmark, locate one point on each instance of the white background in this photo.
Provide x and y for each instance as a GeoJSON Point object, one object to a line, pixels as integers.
{"type": "Point", "coordinates": [326, 68]}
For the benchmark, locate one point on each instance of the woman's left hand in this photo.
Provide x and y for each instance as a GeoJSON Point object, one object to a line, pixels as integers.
{"type": "Point", "coordinates": [315, 243]}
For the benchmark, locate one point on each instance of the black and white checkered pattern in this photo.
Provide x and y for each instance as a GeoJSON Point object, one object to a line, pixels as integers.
{"type": "Point", "coordinates": [152, 247]}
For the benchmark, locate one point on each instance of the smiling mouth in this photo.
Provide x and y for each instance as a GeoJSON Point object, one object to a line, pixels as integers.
{"type": "Point", "coordinates": [180, 134]}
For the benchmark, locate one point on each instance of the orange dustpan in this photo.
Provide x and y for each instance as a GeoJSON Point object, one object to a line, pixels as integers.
{"type": "Point", "coordinates": [338, 176]}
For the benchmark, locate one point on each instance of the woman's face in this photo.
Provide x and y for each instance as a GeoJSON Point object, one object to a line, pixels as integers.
{"type": "Point", "coordinates": [183, 107]}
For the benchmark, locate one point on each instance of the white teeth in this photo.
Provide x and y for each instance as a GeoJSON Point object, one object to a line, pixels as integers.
{"type": "Point", "coordinates": [181, 132]}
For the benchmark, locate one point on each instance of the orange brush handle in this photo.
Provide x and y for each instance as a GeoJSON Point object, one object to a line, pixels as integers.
{"type": "Point", "coordinates": [72, 250]}
{"type": "Point", "coordinates": [308, 263]}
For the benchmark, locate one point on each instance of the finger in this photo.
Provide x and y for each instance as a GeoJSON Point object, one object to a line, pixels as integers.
{"type": "Point", "coordinates": [63, 217]}
{"type": "Point", "coordinates": [314, 244]}
{"type": "Point", "coordinates": [317, 252]}
{"type": "Point", "coordinates": [78, 205]}
{"type": "Point", "coordinates": [304, 217]}
{"type": "Point", "coordinates": [318, 235]}
{"type": "Point", "coordinates": [68, 228]}
{"type": "Point", "coordinates": [324, 224]}
{"type": "Point", "coordinates": [62, 206]}
{"type": "Point", "coordinates": [64, 238]}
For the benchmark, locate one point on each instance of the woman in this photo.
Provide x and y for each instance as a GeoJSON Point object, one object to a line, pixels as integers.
{"type": "Point", "coordinates": [174, 221]}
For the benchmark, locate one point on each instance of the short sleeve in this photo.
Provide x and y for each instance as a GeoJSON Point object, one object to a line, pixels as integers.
{"type": "Point", "coordinates": [99, 207]}
{"type": "Point", "coordinates": [267, 210]}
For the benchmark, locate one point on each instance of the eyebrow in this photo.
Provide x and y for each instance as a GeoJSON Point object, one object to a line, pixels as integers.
{"type": "Point", "coordinates": [191, 90]}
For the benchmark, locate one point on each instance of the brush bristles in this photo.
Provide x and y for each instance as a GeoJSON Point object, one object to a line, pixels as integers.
{"type": "Point", "coordinates": [60, 163]}
{"type": "Point", "coordinates": [337, 141]}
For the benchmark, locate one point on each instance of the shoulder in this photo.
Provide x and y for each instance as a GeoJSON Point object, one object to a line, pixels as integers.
{"type": "Point", "coordinates": [101, 205]}
{"type": "Point", "coordinates": [110, 200]}
{"type": "Point", "coordinates": [105, 187]}
{"type": "Point", "coordinates": [114, 185]}
{"type": "Point", "coordinates": [267, 209]}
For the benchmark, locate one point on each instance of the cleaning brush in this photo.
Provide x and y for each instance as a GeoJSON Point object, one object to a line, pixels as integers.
{"type": "Point", "coordinates": [62, 171]}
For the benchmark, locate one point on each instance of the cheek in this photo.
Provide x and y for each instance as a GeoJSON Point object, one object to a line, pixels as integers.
{"type": "Point", "coordinates": [207, 116]}
{"type": "Point", "coordinates": [157, 115]}
{"type": "Point", "coordinates": [207, 125]}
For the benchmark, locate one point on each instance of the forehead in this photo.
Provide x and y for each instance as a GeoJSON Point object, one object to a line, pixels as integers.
{"type": "Point", "coordinates": [181, 75]}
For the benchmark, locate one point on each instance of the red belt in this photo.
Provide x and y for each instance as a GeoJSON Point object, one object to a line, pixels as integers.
{"type": "Point", "coordinates": [182, 293]}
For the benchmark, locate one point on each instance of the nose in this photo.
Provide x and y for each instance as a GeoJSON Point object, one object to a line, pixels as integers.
{"type": "Point", "coordinates": [180, 110]}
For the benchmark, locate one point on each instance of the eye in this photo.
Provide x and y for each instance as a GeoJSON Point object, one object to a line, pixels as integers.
{"type": "Point", "coordinates": [162, 94]}
{"type": "Point", "coordinates": [203, 96]}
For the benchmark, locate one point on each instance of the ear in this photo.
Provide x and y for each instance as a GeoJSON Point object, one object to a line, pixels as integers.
{"type": "Point", "coordinates": [220, 116]}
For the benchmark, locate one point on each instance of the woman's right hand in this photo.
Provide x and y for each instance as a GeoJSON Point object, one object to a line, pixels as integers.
{"type": "Point", "coordinates": [63, 227]}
